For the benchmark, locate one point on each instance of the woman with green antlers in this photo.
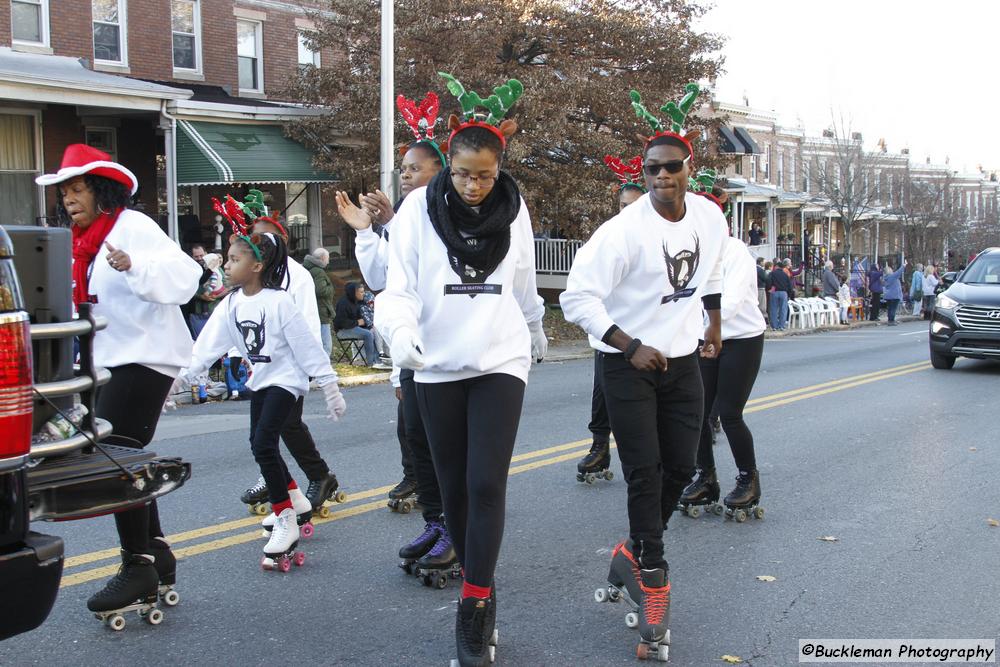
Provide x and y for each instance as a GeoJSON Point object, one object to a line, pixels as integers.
{"type": "Point", "coordinates": [462, 311]}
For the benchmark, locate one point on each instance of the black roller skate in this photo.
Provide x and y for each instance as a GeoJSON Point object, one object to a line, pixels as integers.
{"type": "Point", "coordinates": [421, 544]}
{"type": "Point", "coordinates": [654, 616]}
{"type": "Point", "coordinates": [744, 500]}
{"type": "Point", "coordinates": [440, 563]}
{"type": "Point", "coordinates": [595, 465]}
{"type": "Point", "coordinates": [166, 570]}
{"type": "Point", "coordinates": [624, 583]}
{"type": "Point", "coordinates": [475, 632]}
{"type": "Point", "coordinates": [255, 498]}
{"type": "Point", "coordinates": [322, 490]}
{"type": "Point", "coordinates": [702, 492]}
{"type": "Point", "coordinates": [134, 588]}
{"type": "Point", "coordinates": [401, 496]}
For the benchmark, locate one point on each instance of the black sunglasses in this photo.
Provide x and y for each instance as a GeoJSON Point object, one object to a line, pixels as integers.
{"type": "Point", "coordinates": [672, 167]}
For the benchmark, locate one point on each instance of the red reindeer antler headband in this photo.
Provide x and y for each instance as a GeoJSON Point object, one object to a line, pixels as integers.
{"type": "Point", "coordinates": [629, 173]}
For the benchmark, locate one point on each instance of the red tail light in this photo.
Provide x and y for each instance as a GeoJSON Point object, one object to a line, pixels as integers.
{"type": "Point", "coordinates": [15, 385]}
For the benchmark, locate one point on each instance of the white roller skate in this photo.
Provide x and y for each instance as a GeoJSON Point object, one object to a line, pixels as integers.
{"type": "Point", "coordinates": [279, 552]}
{"type": "Point", "coordinates": [303, 513]}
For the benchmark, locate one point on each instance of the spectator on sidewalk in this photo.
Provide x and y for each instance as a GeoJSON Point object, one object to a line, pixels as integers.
{"type": "Point", "coordinates": [350, 322]}
{"type": "Point", "coordinates": [761, 287]}
{"type": "Point", "coordinates": [917, 289]}
{"type": "Point", "coordinates": [844, 296]}
{"type": "Point", "coordinates": [316, 263]}
{"type": "Point", "coordinates": [368, 313]}
{"type": "Point", "coordinates": [892, 290]}
{"type": "Point", "coordinates": [831, 284]}
{"type": "Point", "coordinates": [930, 284]}
{"type": "Point", "coordinates": [781, 291]}
{"type": "Point", "coordinates": [755, 234]}
{"type": "Point", "coordinates": [875, 288]}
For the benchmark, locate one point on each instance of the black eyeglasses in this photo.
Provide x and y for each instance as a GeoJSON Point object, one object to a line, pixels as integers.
{"type": "Point", "coordinates": [672, 167]}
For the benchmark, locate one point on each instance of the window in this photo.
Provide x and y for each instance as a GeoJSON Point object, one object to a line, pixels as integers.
{"type": "Point", "coordinates": [185, 22]}
{"type": "Point", "coordinates": [248, 50]}
{"type": "Point", "coordinates": [18, 169]}
{"type": "Point", "coordinates": [753, 167]}
{"type": "Point", "coordinates": [109, 30]}
{"type": "Point", "coordinates": [791, 168]}
{"type": "Point", "coordinates": [307, 57]}
{"type": "Point", "coordinates": [29, 21]}
{"type": "Point", "coordinates": [103, 139]}
{"type": "Point", "coordinates": [781, 169]}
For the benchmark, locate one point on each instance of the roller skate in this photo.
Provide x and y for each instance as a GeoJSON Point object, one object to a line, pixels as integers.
{"type": "Point", "coordinates": [702, 492]}
{"type": "Point", "coordinates": [402, 497]}
{"type": "Point", "coordinates": [416, 549]}
{"type": "Point", "coordinates": [303, 515]}
{"type": "Point", "coordinates": [475, 632]}
{"type": "Point", "coordinates": [134, 588]}
{"type": "Point", "coordinates": [166, 570]}
{"type": "Point", "coordinates": [744, 500]}
{"type": "Point", "coordinates": [439, 564]}
{"type": "Point", "coordinates": [595, 465]}
{"type": "Point", "coordinates": [322, 490]}
{"type": "Point", "coordinates": [255, 498]}
{"type": "Point", "coordinates": [654, 616]}
{"type": "Point", "coordinates": [279, 552]}
{"type": "Point", "coordinates": [623, 583]}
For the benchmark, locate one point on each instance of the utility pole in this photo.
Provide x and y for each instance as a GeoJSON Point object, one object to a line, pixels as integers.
{"type": "Point", "coordinates": [387, 85]}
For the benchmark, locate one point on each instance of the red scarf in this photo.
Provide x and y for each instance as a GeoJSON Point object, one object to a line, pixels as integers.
{"type": "Point", "coordinates": [86, 244]}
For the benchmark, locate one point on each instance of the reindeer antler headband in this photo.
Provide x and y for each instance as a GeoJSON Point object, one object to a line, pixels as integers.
{"type": "Point", "coordinates": [703, 183]}
{"type": "Point", "coordinates": [238, 214]}
{"type": "Point", "coordinates": [421, 119]}
{"type": "Point", "coordinates": [496, 107]}
{"type": "Point", "coordinates": [629, 173]}
{"type": "Point", "coordinates": [677, 113]}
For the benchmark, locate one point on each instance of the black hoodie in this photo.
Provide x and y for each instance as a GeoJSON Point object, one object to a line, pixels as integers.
{"type": "Point", "coordinates": [348, 310]}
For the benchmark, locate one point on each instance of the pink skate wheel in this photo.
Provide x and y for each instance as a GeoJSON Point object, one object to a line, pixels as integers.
{"type": "Point", "coordinates": [307, 529]}
{"type": "Point", "coordinates": [300, 558]}
{"type": "Point", "coordinates": [285, 564]}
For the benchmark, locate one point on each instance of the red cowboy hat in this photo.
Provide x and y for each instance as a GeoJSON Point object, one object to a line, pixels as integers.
{"type": "Point", "coordinates": [79, 159]}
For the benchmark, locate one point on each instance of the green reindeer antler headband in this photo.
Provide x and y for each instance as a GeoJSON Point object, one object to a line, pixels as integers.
{"type": "Point", "coordinates": [497, 105]}
{"type": "Point", "coordinates": [676, 113]}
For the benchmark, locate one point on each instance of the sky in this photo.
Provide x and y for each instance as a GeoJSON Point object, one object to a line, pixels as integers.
{"type": "Point", "coordinates": [922, 75]}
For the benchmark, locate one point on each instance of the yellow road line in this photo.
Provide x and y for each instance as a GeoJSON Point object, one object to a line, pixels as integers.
{"type": "Point", "coordinates": [773, 401]}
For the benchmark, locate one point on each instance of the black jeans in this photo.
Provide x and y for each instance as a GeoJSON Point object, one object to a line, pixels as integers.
{"type": "Point", "coordinates": [405, 455]}
{"type": "Point", "coordinates": [600, 424]}
{"type": "Point", "coordinates": [301, 445]}
{"type": "Point", "coordinates": [728, 380]}
{"type": "Point", "coordinates": [471, 425]}
{"type": "Point", "coordinates": [876, 306]}
{"type": "Point", "coordinates": [656, 419]}
{"type": "Point", "coordinates": [270, 409]}
{"type": "Point", "coordinates": [428, 489]}
{"type": "Point", "coordinates": [133, 401]}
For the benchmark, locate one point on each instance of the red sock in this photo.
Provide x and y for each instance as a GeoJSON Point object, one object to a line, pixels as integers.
{"type": "Point", "coordinates": [292, 485]}
{"type": "Point", "coordinates": [280, 507]}
{"type": "Point", "coordinates": [473, 591]}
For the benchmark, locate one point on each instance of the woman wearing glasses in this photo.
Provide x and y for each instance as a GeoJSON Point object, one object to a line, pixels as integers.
{"type": "Point", "coordinates": [461, 309]}
{"type": "Point", "coordinates": [637, 288]}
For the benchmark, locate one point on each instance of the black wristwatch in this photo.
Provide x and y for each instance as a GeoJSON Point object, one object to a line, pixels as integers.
{"type": "Point", "coordinates": [632, 347]}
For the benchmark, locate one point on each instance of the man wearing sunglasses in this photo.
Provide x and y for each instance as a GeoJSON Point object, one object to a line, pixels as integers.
{"type": "Point", "coordinates": [638, 288]}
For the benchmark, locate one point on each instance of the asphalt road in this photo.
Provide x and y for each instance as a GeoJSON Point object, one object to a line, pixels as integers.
{"type": "Point", "coordinates": [857, 439]}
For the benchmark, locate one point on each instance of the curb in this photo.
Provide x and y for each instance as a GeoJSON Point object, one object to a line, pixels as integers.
{"type": "Point", "coordinates": [362, 380]}
{"type": "Point", "coordinates": [768, 334]}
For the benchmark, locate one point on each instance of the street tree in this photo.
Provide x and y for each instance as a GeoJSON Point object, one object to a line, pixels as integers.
{"type": "Point", "coordinates": [577, 59]}
{"type": "Point", "coordinates": [926, 215]}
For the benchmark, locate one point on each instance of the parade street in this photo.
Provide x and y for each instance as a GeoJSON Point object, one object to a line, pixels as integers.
{"type": "Point", "coordinates": [879, 479]}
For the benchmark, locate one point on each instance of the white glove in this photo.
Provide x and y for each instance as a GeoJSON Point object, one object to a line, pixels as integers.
{"type": "Point", "coordinates": [335, 402]}
{"type": "Point", "coordinates": [539, 342]}
{"type": "Point", "coordinates": [407, 349]}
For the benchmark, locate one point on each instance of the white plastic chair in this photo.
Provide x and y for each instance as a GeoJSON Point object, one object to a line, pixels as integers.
{"type": "Point", "coordinates": [795, 315]}
{"type": "Point", "coordinates": [834, 306]}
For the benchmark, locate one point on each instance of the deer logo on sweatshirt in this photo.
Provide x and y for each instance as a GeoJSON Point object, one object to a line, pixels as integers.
{"type": "Point", "coordinates": [681, 268]}
{"type": "Point", "coordinates": [473, 280]}
{"type": "Point", "coordinates": [253, 334]}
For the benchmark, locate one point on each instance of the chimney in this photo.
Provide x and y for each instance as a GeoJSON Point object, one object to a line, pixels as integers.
{"type": "Point", "coordinates": [905, 151]}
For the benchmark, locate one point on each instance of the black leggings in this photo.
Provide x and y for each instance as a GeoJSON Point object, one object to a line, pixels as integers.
{"type": "Point", "coordinates": [415, 435]}
{"type": "Point", "coordinates": [301, 445]}
{"type": "Point", "coordinates": [728, 380]}
{"type": "Point", "coordinates": [472, 425]}
{"type": "Point", "coordinates": [133, 401]}
{"type": "Point", "coordinates": [600, 424]}
{"type": "Point", "coordinates": [656, 418]}
{"type": "Point", "coordinates": [269, 411]}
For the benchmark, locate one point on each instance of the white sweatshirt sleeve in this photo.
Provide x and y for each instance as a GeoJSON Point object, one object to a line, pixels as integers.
{"type": "Point", "coordinates": [525, 286]}
{"type": "Point", "coordinates": [399, 305]}
{"type": "Point", "coordinates": [739, 272]}
{"type": "Point", "coordinates": [214, 340]}
{"type": "Point", "coordinates": [597, 269]}
{"type": "Point", "coordinates": [714, 283]}
{"type": "Point", "coordinates": [161, 272]}
{"type": "Point", "coordinates": [308, 352]}
{"type": "Point", "coordinates": [372, 253]}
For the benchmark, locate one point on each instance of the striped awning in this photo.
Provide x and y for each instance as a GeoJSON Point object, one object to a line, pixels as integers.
{"type": "Point", "coordinates": [224, 153]}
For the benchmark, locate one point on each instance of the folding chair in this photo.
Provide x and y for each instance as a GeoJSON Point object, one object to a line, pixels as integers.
{"type": "Point", "coordinates": [348, 350]}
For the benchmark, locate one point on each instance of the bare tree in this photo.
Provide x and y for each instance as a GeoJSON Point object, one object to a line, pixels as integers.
{"type": "Point", "coordinates": [926, 215]}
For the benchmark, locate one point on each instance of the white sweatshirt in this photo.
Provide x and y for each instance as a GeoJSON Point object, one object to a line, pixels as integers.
{"type": "Point", "coordinates": [372, 252]}
{"type": "Point", "coordinates": [302, 289]}
{"type": "Point", "coordinates": [145, 325]}
{"type": "Point", "coordinates": [647, 275]}
{"type": "Point", "coordinates": [741, 316]}
{"type": "Point", "coordinates": [470, 325]}
{"type": "Point", "coordinates": [270, 332]}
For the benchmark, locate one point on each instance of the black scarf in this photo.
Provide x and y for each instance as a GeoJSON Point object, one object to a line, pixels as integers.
{"type": "Point", "coordinates": [490, 228]}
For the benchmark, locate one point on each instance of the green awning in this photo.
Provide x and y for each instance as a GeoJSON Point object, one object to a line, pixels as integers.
{"type": "Point", "coordinates": [220, 153]}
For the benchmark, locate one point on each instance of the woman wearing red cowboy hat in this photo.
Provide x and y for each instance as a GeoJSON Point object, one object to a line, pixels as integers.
{"type": "Point", "coordinates": [136, 277]}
